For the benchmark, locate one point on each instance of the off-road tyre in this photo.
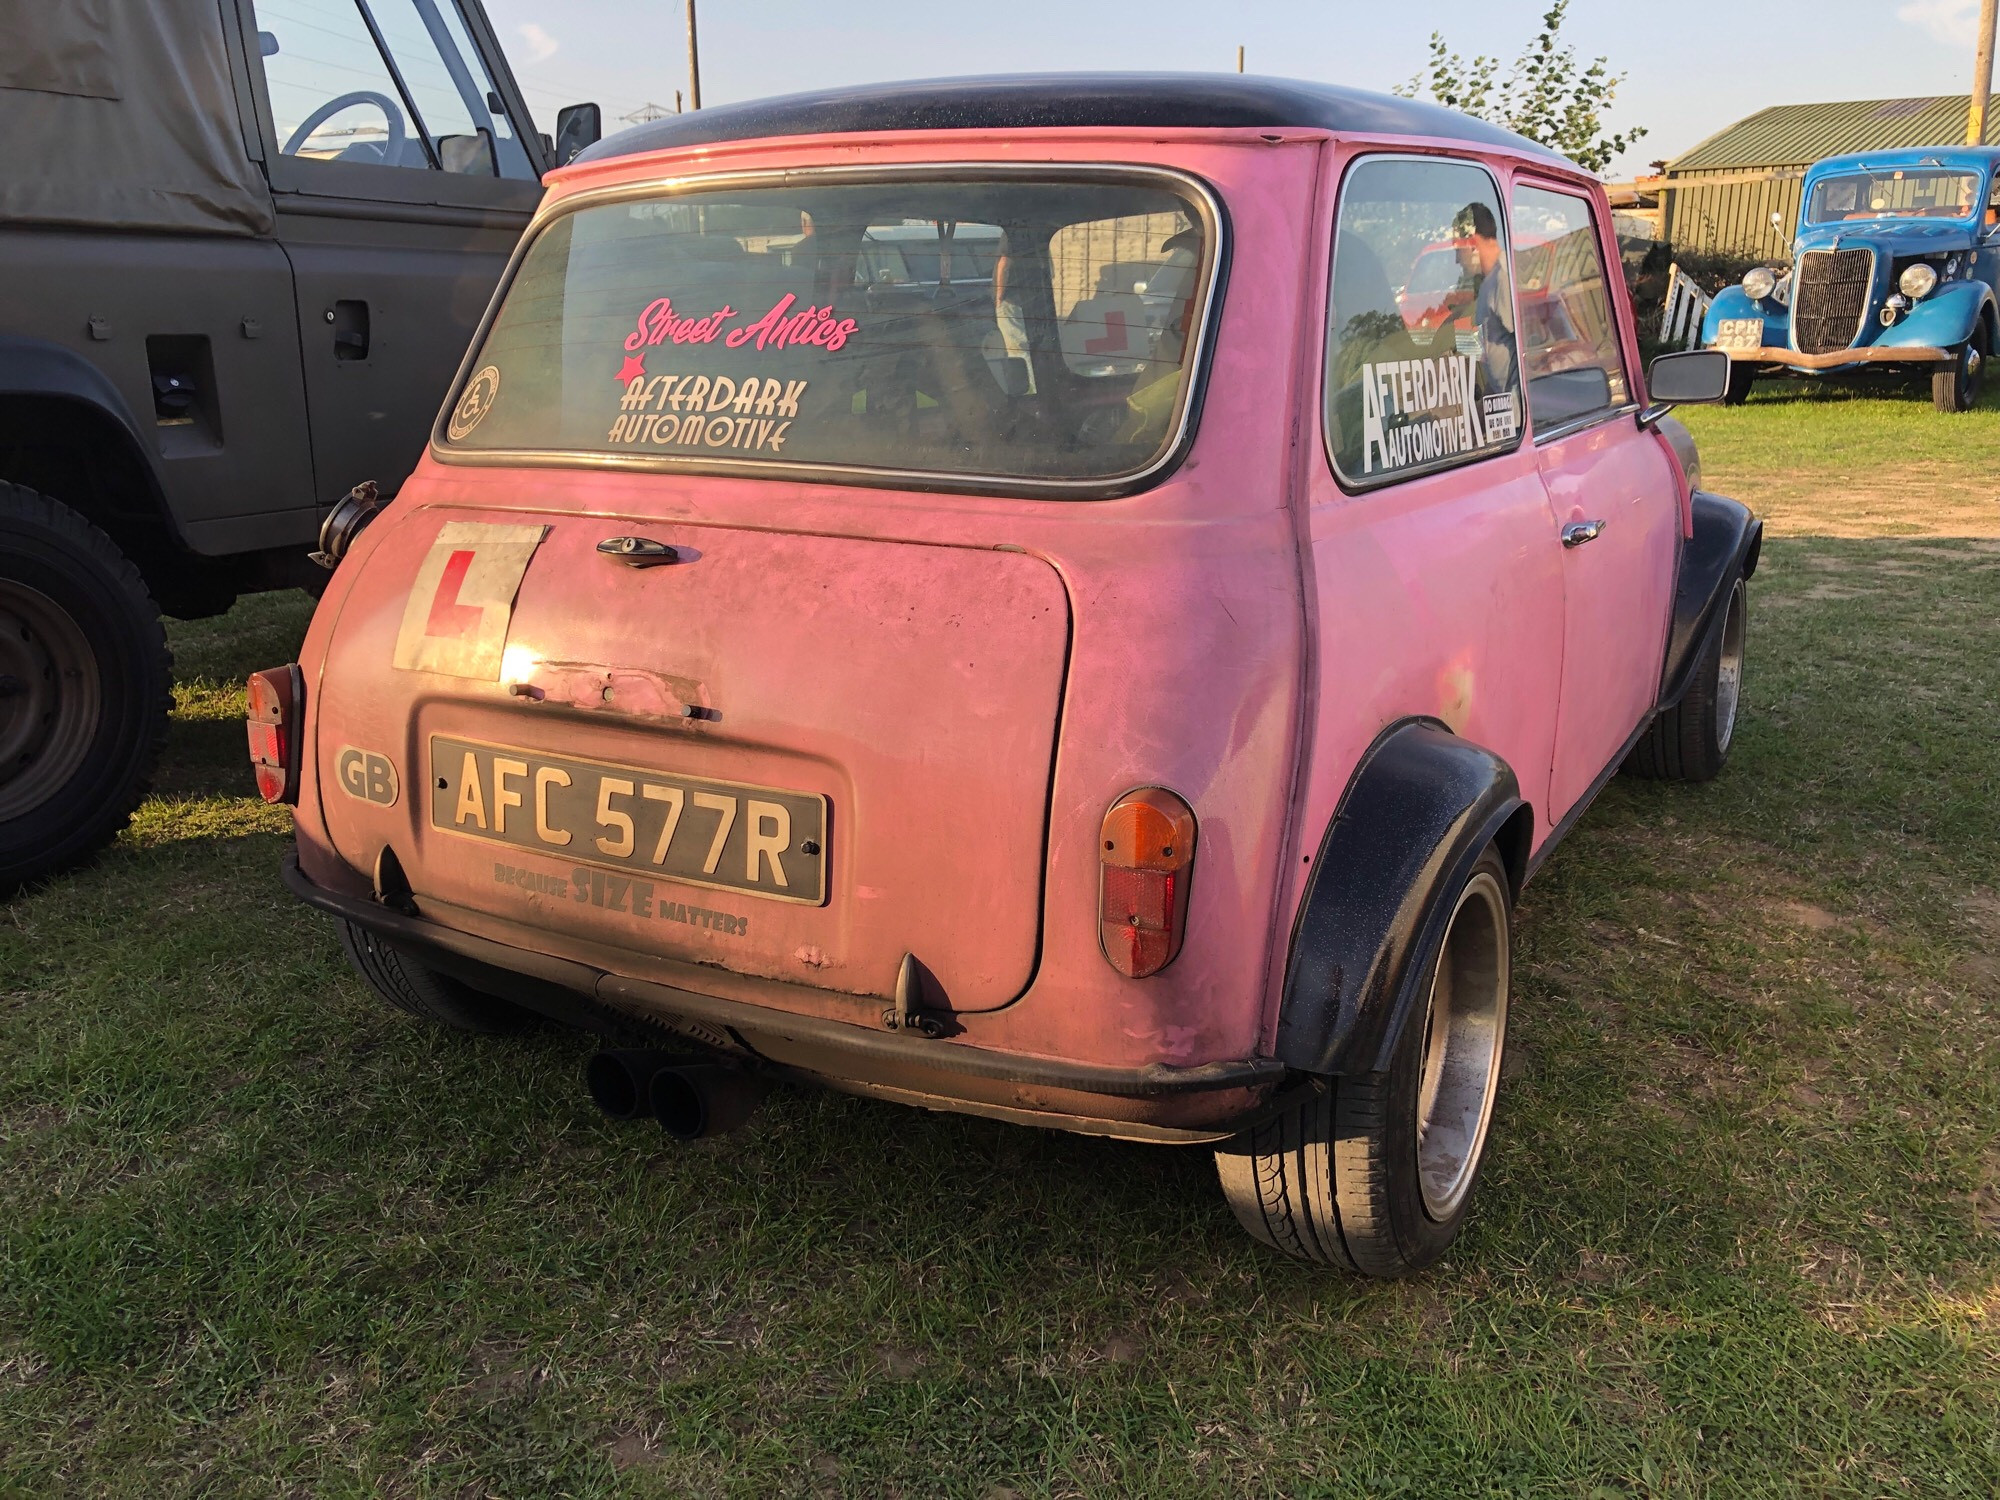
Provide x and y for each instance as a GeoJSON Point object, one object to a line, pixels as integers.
{"type": "Point", "coordinates": [1691, 740]}
{"type": "Point", "coordinates": [88, 686]}
{"type": "Point", "coordinates": [1956, 386]}
{"type": "Point", "coordinates": [425, 993]}
{"type": "Point", "coordinates": [1336, 1178]}
{"type": "Point", "coordinates": [1741, 378]}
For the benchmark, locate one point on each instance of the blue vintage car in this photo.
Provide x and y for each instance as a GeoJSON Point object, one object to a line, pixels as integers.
{"type": "Point", "coordinates": [1895, 268]}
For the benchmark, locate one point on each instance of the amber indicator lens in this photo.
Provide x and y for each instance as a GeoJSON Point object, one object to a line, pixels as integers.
{"type": "Point", "coordinates": [1146, 858]}
{"type": "Point", "coordinates": [275, 697]}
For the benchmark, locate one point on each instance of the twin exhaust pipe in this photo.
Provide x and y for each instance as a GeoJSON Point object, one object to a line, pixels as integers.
{"type": "Point", "coordinates": [691, 1097]}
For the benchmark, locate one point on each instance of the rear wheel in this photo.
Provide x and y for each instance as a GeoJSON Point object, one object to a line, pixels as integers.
{"type": "Point", "coordinates": [425, 993]}
{"type": "Point", "coordinates": [85, 687]}
{"type": "Point", "coordinates": [1955, 387]}
{"type": "Point", "coordinates": [1691, 740]}
{"type": "Point", "coordinates": [1375, 1173]}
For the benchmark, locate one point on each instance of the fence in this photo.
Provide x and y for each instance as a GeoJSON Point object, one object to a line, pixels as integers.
{"type": "Point", "coordinates": [1681, 315]}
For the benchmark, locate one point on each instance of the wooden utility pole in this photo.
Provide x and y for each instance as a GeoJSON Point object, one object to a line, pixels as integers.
{"type": "Point", "coordinates": [1982, 74]}
{"type": "Point", "coordinates": [694, 62]}
{"type": "Point", "coordinates": [1239, 57]}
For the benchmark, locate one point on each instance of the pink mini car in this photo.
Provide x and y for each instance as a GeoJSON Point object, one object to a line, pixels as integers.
{"type": "Point", "coordinates": [982, 684]}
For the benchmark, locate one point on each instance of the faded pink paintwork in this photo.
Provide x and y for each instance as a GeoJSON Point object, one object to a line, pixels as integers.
{"type": "Point", "coordinates": [1239, 633]}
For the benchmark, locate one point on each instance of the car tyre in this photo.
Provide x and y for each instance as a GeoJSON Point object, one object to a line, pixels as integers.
{"type": "Point", "coordinates": [86, 685]}
{"type": "Point", "coordinates": [1375, 1173]}
{"type": "Point", "coordinates": [423, 992]}
{"type": "Point", "coordinates": [1741, 378]}
{"type": "Point", "coordinates": [1956, 386]}
{"type": "Point", "coordinates": [1691, 740]}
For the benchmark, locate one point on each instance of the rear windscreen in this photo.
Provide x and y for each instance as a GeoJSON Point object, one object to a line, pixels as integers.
{"type": "Point", "coordinates": [1040, 329]}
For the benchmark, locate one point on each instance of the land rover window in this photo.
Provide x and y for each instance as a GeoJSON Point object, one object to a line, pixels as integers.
{"type": "Point", "coordinates": [1569, 335]}
{"type": "Point", "coordinates": [1421, 370]}
{"type": "Point", "coordinates": [1894, 194]}
{"type": "Point", "coordinates": [428, 104]}
{"type": "Point", "coordinates": [956, 327]}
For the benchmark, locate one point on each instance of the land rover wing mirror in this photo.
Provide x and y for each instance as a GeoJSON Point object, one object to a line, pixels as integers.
{"type": "Point", "coordinates": [1686, 377]}
{"type": "Point", "coordinates": [577, 126]}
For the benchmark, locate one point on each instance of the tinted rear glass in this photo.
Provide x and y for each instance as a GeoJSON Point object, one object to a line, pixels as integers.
{"type": "Point", "coordinates": [1041, 329]}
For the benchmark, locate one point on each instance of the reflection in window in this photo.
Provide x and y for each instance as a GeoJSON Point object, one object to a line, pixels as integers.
{"type": "Point", "coordinates": [1420, 351]}
{"type": "Point", "coordinates": [1569, 338]}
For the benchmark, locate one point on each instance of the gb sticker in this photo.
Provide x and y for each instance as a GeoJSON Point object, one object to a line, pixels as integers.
{"type": "Point", "coordinates": [455, 621]}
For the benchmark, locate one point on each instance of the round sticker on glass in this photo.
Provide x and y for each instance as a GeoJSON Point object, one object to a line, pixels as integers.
{"type": "Point", "coordinates": [475, 403]}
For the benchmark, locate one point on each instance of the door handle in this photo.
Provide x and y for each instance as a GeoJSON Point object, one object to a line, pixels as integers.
{"type": "Point", "coordinates": [637, 551]}
{"type": "Point", "coordinates": [1578, 532]}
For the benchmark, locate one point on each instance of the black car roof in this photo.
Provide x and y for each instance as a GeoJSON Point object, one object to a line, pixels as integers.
{"type": "Point", "coordinates": [1030, 101]}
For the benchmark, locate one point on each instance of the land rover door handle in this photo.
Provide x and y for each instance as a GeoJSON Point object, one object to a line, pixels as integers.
{"type": "Point", "coordinates": [1578, 532]}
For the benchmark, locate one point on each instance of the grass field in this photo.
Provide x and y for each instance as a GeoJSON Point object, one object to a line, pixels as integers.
{"type": "Point", "coordinates": [1740, 1233]}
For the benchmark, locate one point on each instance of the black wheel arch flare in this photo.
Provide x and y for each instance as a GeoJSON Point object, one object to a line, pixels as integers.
{"type": "Point", "coordinates": [1417, 814]}
{"type": "Point", "coordinates": [1728, 539]}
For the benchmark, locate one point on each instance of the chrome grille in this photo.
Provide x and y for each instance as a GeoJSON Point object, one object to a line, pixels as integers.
{"type": "Point", "coordinates": [1830, 299]}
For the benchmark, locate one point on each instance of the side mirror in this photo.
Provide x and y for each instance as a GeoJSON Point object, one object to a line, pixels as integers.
{"type": "Point", "coordinates": [469, 155]}
{"type": "Point", "coordinates": [577, 126]}
{"type": "Point", "coordinates": [1686, 377]}
{"type": "Point", "coordinates": [267, 44]}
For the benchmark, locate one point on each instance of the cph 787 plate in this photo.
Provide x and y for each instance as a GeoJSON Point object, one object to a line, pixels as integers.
{"type": "Point", "coordinates": [762, 841]}
{"type": "Point", "coordinates": [1739, 333]}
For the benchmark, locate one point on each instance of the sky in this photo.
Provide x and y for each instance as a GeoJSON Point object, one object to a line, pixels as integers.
{"type": "Point", "coordinates": [1692, 67]}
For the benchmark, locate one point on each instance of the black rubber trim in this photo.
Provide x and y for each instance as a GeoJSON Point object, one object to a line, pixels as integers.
{"type": "Point", "coordinates": [1419, 811]}
{"type": "Point", "coordinates": [1727, 540]}
{"type": "Point", "coordinates": [1582, 804]}
{"type": "Point", "coordinates": [423, 937]}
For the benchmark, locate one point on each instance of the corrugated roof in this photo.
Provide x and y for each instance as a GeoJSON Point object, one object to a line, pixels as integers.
{"type": "Point", "coordinates": [1795, 134]}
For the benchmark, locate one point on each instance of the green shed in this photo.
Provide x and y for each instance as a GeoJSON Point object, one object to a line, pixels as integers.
{"type": "Point", "coordinates": [1737, 193]}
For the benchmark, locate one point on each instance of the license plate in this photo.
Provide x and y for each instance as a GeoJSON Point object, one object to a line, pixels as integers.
{"type": "Point", "coordinates": [1739, 333]}
{"type": "Point", "coordinates": [722, 834]}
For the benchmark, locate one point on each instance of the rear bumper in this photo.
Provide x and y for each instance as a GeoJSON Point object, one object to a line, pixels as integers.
{"type": "Point", "coordinates": [1874, 354]}
{"type": "Point", "coordinates": [1153, 1102]}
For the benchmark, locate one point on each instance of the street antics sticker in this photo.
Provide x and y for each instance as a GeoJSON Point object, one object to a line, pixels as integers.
{"type": "Point", "coordinates": [462, 599]}
{"type": "Point", "coordinates": [1417, 411]}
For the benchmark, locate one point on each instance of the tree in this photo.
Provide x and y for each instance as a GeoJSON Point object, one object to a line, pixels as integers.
{"type": "Point", "coordinates": [1546, 96]}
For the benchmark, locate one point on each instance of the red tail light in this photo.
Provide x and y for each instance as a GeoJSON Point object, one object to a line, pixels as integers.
{"type": "Point", "coordinates": [1146, 849]}
{"type": "Point", "coordinates": [277, 698]}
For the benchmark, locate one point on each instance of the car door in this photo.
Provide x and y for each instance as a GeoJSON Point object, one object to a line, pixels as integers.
{"type": "Point", "coordinates": [1436, 593]}
{"type": "Point", "coordinates": [403, 167]}
{"type": "Point", "coordinates": [1611, 485]}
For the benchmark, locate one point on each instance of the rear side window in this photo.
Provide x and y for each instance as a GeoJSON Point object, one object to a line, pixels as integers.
{"type": "Point", "coordinates": [1014, 328]}
{"type": "Point", "coordinates": [1421, 369]}
{"type": "Point", "coordinates": [1569, 338]}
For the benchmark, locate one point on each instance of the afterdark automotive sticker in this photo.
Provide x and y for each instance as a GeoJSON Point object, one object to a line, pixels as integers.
{"type": "Point", "coordinates": [1416, 411]}
{"type": "Point", "coordinates": [455, 621]}
{"type": "Point", "coordinates": [707, 411]}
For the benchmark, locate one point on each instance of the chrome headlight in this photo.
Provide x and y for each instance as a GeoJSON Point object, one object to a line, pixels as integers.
{"type": "Point", "coordinates": [1759, 282]}
{"type": "Point", "coordinates": [1917, 280]}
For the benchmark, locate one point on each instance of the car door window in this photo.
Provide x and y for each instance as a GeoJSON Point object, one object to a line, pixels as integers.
{"type": "Point", "coordinates": [427, 103]}
{"type": "Point", "coordinates": [1569, 338]}
{"type": "Point", "coordinates": [1421, 370]}
{"type": "Point", "coordinates": [450, 86]}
